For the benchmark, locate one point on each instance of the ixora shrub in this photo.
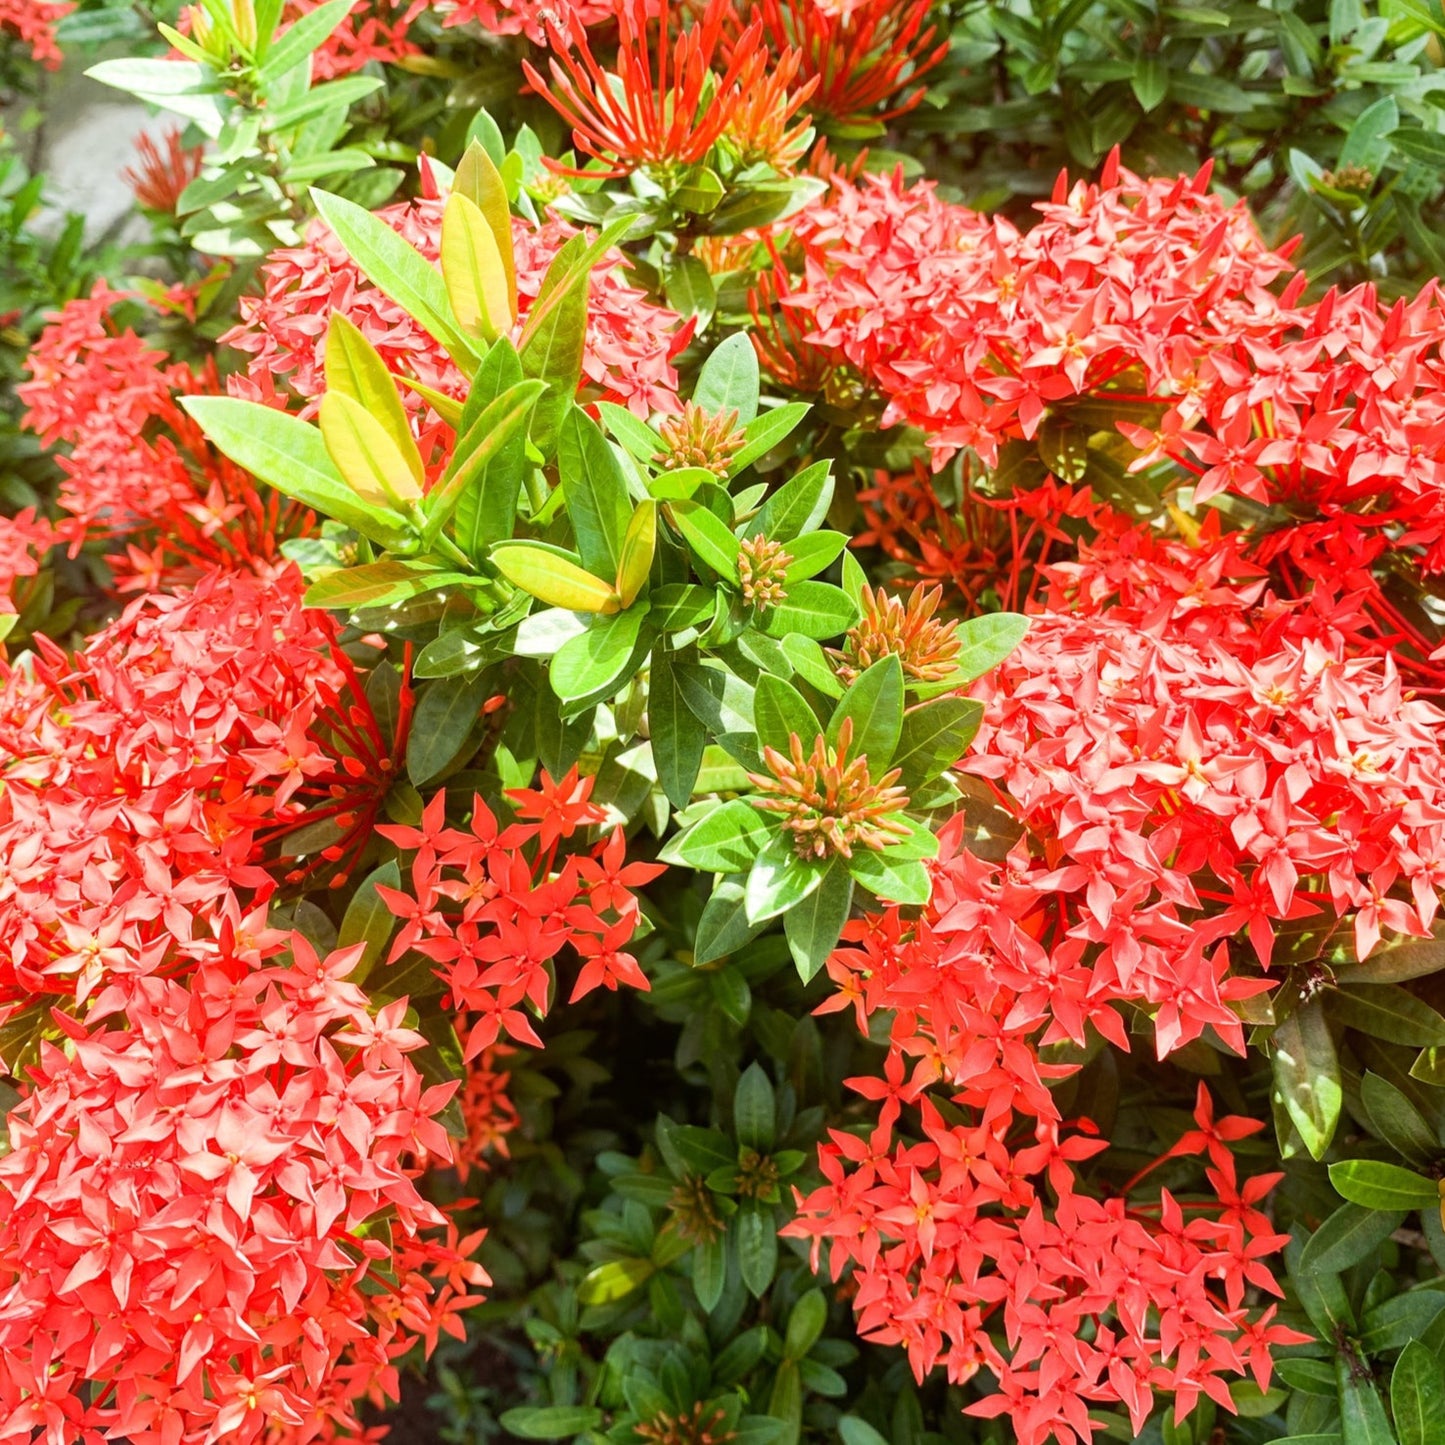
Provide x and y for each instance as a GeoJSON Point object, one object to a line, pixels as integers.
{"type": "Point", "coordinates": [653, 772]}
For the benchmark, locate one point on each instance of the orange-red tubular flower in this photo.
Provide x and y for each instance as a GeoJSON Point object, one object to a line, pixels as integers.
{"type": "Point", "coordinates": [865, 56]}
{"type": "Point", "coordinates": [667, 111]}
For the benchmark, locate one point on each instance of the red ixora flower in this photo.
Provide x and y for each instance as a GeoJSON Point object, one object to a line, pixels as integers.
{"type": "Point", "coordinates": [162, 173]}
{"type": "Point", "coordinates": [663, 111]}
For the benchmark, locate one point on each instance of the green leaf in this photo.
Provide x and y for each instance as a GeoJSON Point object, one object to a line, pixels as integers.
{"type": "Point", "coordinates": [552, 578]}
{"type": "Point", "coordinates": [1397, 1121]}
{"type": "Point", "coordinates": [726, 839]}
{"type": "Point", "coordinates": [814, 926]}
{"type": "Point", "coordinates": [487, 507]}
{"type": "Point", "coordinates": [334, 95]}
{"type": "Point", "coordinates": [551, 1422]}
{"type": "Point", "coordinates": [615, 1280]}
{"type": "Point", "coordinates": [1389, 1012]}
{"type": "Point", "coordinates": [813, 609]}
{"type": "Point", "coordinates": [757, 1243]}
{"type": "Point", "coordinates": [708, 537]}
{"type": "Point", "coordinates": [635, 436]}
{"type": "Point", "coordinates": [903, 880]}
{"type": "Point", "coordinates": [1307, 1075]}
{"type": "Point", "coordinates": [766, 431]}
{"type": "Point", "coordinates": [753, 1106]}
{"type": "Point", "coordinates": [854, 1431]}
{"type": "Point", "coordinates": [1368, 142]}
{"type": "Point", "coordinates": [677, 736]}
{"type": "Point", "coordinates": [690, 290]}
{"type": "Point", "coordinates": [595, 491]}
{"type": "Point", "coordinates": [1417, 1396]}
{"type": "Point", "coordinates": [723, 926]}
{"type": "Point", "coordinates": [446, 712]}
{"type": "Point", "coordinates": [813, 552]}
{"type": "Point", "coordinates": [873, 703]}
{"type": "Point", "coordinates": [1150, 82]}
{"type": "Point", "coordinates": [779, 880]}
{"type": "Point", "coordinates": [1352, 1233]}
{"type": "Point", "coordinates": [485, 465]}
{"type": "Point", "coordinates": [377, 470]}
{"type": "Point", "coordinates": [395, 267]}
{"type": "Point", "coordinates": [368, 920]}
{"type": "Point", "coordinates": [1378, 1185]}
{"type": "Point", "coordinates": [935, 735]}
{"type": "Point", "coordinates": [709, 1272]}
{"type": "Point", "coordinates": [798, 506]}
{"type": "Point", "coordinates": [290, 456]}
{"type": "Point", "coordinates": [729, 379]}
{"type": "Point", "coordinates": [302, 37]}
{"type": "Point", "coordinates": [986, 641]}
{"type": "Point", "coordinates": [600, 659]}
{"type": "Point", "coordinates": [805, 1324]}
{"type": "Point", "coordinates": [379, 584]}
{"type": "Point", "coordinates": [780, 712]}
{"type": "Point", "coordinates": [1362, 1411]}
{"type": "Point", "coordinates": [785, 1403]}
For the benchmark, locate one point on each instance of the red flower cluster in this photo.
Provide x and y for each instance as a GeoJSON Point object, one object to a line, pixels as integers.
{"type": "Point", "coordinates": [32, 23]}
{"type": "Point", "coordinates": [141, 780]}
{"type": "Point", "coordinates": [627, 356]}
{"type": "Point", "coordinates": [493, 906]}
{"type": "Point", "coordinates": [376, 31]}
{"type": "Point", "coordinates": [959, 1232]}
{"type": "Point", "coordinates": [138, 470]}
{"type": "Point", "coordinates": [188, 1200]}
{"type": "Point", "coordinates": [24, 541]}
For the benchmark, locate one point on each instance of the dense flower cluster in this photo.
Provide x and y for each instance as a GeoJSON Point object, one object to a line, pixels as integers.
{"type": "Point", "coordinates": [145, 777]}
{"type": "Point", "coordinates": [519, 907]}
{"type": "Point", "coordinates": [137, 469]}
{"type": "Point", "coordinates": [32, 22]}
{"type": "Point", "coordinates": [24, 541]}
{"type": "Point", "coordinates": [627, 356]}
{"type": "Point", "coordinates": [188, 1200]}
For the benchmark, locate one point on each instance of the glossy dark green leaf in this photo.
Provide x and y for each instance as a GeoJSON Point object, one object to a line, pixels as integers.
{"type": "Point", "coordinates": [757, 1246]}
{"type": "Point", "coordinates": [487, 508]}
{"type": "Point", "coordinates": [1397, 1121]}
{"type": "Point", "coordinates": [1362, 1411]}
{"type": "Point", "coordinates": [678, 737]}
{"type": "Point", "coordinates": [753, 1106]}
{"type": "Point", "coordinates": [766, 431]}
{"type": "Point", "coordinates": [935, 735]}
{"type": "Point", "coordinates": [446, 712]}
{"type": "Point", "coordinates": [1352, 1233]}
{"type": "Point", "coordinates": [1389, 1012]}
{"type": "Point", "coordinates": [551, 1422]}
{"type": "Point", "coordinates": [709, 1272]}
{"type": "Point", "coordinates": [710, 539]}
{"type": "Point", "coordinates": [813, 926]}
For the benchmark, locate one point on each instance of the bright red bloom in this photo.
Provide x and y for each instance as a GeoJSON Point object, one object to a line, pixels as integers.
{"type": "Point", "coordinates": [668, 111]}
{"type": "Point", "coordinates": [159, 177]}
{"type": "Point", "coordinates": [32, 22]}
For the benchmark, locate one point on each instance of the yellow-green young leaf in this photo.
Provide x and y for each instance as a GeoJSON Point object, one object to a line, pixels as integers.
{"type": "Point", "coordinates": [638, 545]}
{"type": "Point", "coordinates": [446, 407]}
{"type": "Point", "coordinates": [553, 579]}
{"type": "Point", "coordinates": [354, 368]}
{"type": "Point", "coordinates": [365, 454]}
{"type": "Point", "coordinates": [481, 183]}
{"type": "Point", "coordinates": [475, 276]}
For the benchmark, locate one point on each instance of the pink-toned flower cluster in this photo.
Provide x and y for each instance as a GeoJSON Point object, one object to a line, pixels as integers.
{"type": "Point", "coordinates": [147, 776]}
{"type": "Point", "coordinates": [190, 1200]}
{"type": "Point", "coordinates": [24, 540]}
{"type": "Point", "coordinates": [627, 356]}
{"type": "Point", "coordinates": [491, 907]}
{"type": "Point", "coordinates": [32, 23]}
{"type": "Point", "coordinates": [1157, 301]}
{"type": "Point", "coordinates": [976, 1245]}
{"type": "Point", "coordinates": [138, 471]}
